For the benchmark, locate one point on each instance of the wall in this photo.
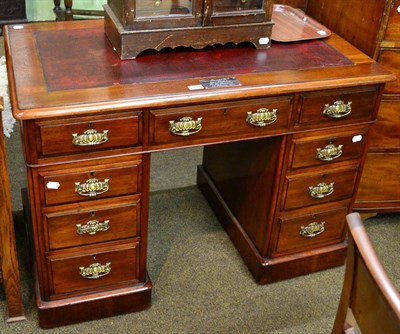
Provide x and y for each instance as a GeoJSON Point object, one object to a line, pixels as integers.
{"type": "Point", "coordinates": [42, 10]}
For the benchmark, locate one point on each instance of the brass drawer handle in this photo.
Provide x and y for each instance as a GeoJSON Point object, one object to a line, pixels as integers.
{"type": "Point", "coordinates": [92, 187]}
{"type": "Point", "coordinates": [312, 229]}
{"type": "Point", "coordinates": [186, 126]}
{"type": "Point", "coordinates": [92, 227]}
{"type": "Point", "coordinates": [157, 3]}
{"type": "Point", "coordinates": [338, 109]}
{"type": "Point", "coordinates": [90, 137]}
{"type": "Point", "coordinates": [95, 270]}
{"type": "Point", "coordinates": [329, 152]}
{"type": "Point", "coordinates": [261, 117]}
{"type": "Point", "coordinates": [321, 190]}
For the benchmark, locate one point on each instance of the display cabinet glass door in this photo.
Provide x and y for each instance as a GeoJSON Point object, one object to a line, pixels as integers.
{"type": "Point", "coordinates": [154, 14]}
{"type": "Point", "coordinates": [223, 12]}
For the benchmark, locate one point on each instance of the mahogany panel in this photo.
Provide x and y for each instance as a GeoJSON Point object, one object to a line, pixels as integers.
{"type": "Point", "coordinates": [385, 133]}
{"type": "Point", "coordinates": [246, 175]}
{"type": "Point", "coordinates": [297, 194]}
{"type": "Point", "coordinates": [119, 223]}
{"type": "Point", "coordinates": [390, 58]}
{"type": "Point", "coordinates": [356, 21]}
{"type": "Point", "coordinates": [376, 189]}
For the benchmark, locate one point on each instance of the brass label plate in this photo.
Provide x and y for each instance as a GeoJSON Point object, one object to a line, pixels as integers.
{"type": "Point", "coordinates": [220, 82]}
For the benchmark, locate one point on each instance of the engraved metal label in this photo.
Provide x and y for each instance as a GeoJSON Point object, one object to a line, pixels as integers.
{"type": "Point", "coordinates": [221, 82]}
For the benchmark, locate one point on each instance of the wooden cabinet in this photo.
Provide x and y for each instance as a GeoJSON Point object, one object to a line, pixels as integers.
{"type": "Point", "coordinates": [138, 25]}
{"type": "Point", "coordinates": [375, 29]}
{"type": "Point", "coordinates": [282, 158]}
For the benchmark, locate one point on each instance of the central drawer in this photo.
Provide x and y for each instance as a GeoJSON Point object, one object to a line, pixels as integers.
{"type": "Point", "coordinates": [199, 124]}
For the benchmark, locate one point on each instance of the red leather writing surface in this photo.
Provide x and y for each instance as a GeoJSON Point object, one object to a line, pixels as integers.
{"type": "Point", "coordinates": [98, 65]}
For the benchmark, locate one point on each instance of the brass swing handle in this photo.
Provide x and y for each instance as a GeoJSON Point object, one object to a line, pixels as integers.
{"type": "Point", "coordinates": [338, 109]}
{"type": "Point", "coordinates": [92, 187]}
{"type": "Point", "coordinates": [321, 190]}
{"type": "Point", "coordinates": [262, 117]}
{"type": "Point", "coordinates": [312, 229]}
{"type": "Point", "coordinates": [329, 152]}
{"type": "Point", "coordinates": [186, 126]}
{"type": "Point", "coordinates": [90, 137]}
{"type": "Point", "coordinates": [95, 270]}
{"type": "Point", "coordinates": [92, 227]}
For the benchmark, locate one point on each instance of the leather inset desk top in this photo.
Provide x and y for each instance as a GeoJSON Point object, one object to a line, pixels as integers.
{"type": "Point", "coordinates": [99, 65]}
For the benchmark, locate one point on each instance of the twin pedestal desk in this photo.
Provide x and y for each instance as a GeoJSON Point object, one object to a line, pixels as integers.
{"type": "Point", "coordinates": [285, 134]}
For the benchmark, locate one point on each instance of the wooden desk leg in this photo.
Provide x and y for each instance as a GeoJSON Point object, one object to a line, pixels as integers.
{"type": "Point", "coordinates": [9, 261]}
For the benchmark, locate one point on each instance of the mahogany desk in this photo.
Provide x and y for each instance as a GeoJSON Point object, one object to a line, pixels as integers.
{"type": "Point", "coordinates": [284, 150]}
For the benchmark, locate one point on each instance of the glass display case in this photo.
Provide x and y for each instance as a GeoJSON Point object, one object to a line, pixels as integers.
{"type": "Point", "coordinates": [137, 25]}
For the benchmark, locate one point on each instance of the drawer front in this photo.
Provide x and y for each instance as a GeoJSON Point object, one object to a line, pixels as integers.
{"type": "Point", "coordinates": [385, 133]}
{"type": "Point", "coordinates": [330, 108]}
{"type": "Point", "coordinates": [313, 189]}
{"type": "Point", "coordinates": [199, 124]}
{"type": "Point", "coordinates": [390, 59]}
{"type": "Point", "coordinates": [328, 149]}
{"type": "Point", "coordinates": [310, 231]}
{"type": "Point", "coordinates": [392, 32]}
{"type": "Point", "coordinates": [95, 270]}
{"type": "Point", "coordinates": [88, 184]}
{"type": "Point", "coordinates": [91, 226]}
{"type": "Point", "coordinates": [79, 135]}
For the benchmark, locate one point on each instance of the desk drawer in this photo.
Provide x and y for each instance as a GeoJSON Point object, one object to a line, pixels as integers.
{"type": "Point", "coordinates": [93, 225]}
{"type": "Point", "coordinates": [338, 107]}
{"type": "Point", "coordinates": [82, 134]}
{"type": "Point", "coordinates": [200, 123]}
{"type": "Point", "coordinates": [89, 183]}
{"type": "Point", "coordinates": [325, 150]}
{"type": "Point", "coordinates": [310, 231]}
{"type": "Point", "coordinates": [94, 269]}
{"type": "Point", "coordinates": [313, 189]}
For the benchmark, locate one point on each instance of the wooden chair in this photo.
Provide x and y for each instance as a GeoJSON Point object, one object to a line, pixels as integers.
{"type": "Point", "coordinates": [9, 271]}
{"type": "Point", "coordinates": [367, 290]}
{"type": "Point", "coordinates": [68, 13]}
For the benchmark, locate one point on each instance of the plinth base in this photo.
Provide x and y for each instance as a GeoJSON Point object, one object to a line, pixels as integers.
{"type": "Point", "coordinates": [267, 270]}
{"type": "Point", "coordinates": [92, 306]}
